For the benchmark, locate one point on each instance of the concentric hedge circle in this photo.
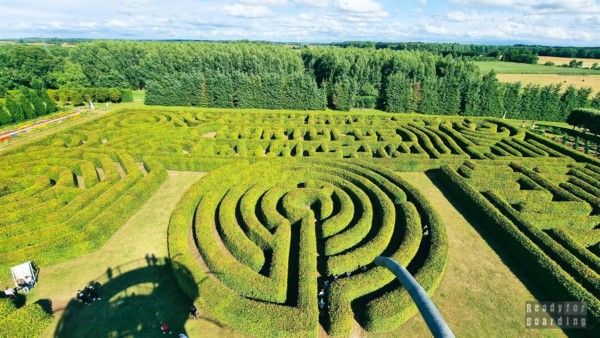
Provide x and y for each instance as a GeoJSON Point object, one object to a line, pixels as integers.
{"type": "Point", "coordinates": [261, 239]}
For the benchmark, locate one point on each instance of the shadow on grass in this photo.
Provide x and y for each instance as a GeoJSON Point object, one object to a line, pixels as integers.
{"type": "Point", "coordinates": [516, 264]}
{"type": "Point", "coordinates": [136, 297]}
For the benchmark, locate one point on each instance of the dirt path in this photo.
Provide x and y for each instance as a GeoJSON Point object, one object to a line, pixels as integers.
{"type": "Point", "coordinates": [36, 125]}
{"type": "Point", "coordinates": [479, 295]}
{"type": "Point", "coordinates": [143, 234]}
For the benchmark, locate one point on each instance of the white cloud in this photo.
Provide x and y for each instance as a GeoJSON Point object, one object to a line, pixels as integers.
{"type": "Point", "coordinates": [501, 21]}
{"type": "Point", "coordinates": [359, 6]}
{"type": "Point", "coordinates": [248, 11]}
{"type": "Point", "coordinates": [314, 3]}
{"type": "Point", "coordinates": [361, 10]}
{"type": "Point", "coordinates": [265, 2]}
{"type": "Point", "coordinates": [546, 6]}
{"type": "Point", "coordinates": [460, 16]}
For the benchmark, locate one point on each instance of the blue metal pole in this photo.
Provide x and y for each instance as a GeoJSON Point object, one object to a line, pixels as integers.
{"type": "Point", "coordinates": [436, 323]}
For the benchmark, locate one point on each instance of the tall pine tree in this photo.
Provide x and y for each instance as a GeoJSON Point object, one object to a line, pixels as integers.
{"type": "Point", "coordinates": [4, 115]}
{"type": "Point", "coordinates": [491, 96]}
{"type": "Point", "coordinates": [512, 100]}
{"type": "Point", "coordinates": [399, 95]}
{"type": "Point", "coordinates": [14, 108]}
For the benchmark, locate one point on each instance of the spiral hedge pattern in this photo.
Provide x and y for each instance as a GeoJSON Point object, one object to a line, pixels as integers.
{"type": "Point", "coordinates": [261, 240]}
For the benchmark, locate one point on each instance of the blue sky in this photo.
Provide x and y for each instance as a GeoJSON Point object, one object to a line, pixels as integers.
{"type": "Point", "coordinates": [554, 22]}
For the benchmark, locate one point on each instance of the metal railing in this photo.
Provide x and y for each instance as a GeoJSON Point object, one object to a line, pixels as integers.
{"type": "Point", "coordinates": [436, 323]}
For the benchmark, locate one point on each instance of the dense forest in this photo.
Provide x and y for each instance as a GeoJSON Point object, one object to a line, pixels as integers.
{"type": "Point", "coordinates": [471, 50]}
{"type": "Point", "coordinates": [263, 75]}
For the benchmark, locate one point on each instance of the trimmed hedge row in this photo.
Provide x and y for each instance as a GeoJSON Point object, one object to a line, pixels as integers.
{"type": "Point", "coordinates": [72, 219]}
{"type": "Point", "coordinates": [578, 250]}
{"type": "Point", "coordinates": [28, 321]}
{"type": "Point", "coordinates": [588, 278]}
{"type": "Point", "coordinates": [558, 282]}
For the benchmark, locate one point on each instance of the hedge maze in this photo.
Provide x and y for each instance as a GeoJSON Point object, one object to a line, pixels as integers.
{"type": "Point", "coordinates": [547, 214]}
{"type": "Point", "coordinates": [296, 202]}
{"type": "Point", "coordinates": [57, 204]}
{"type": "Point", "coordinates": [272, 233]}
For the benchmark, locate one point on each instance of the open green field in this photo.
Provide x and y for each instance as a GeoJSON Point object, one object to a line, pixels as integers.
{"type": "Point", "coordinates": [587, 62]}
{"type": "Point", "coordinates": [577, 81]}
{"type": "Point", "coordinates": [501, 67]}
{"type": "Point", "coordinates": [249, 213]}
{"type": "Point", "coordinates": [543, 75]}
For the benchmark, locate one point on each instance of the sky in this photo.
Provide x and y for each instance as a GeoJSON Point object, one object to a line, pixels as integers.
{"type": "Point", "coordinates": [548, 22]}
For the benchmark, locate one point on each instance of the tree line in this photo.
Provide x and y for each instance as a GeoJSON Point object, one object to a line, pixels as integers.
{"type": "Point", "coordinates": [25, 104]}
{"type": "Point", "coordinates": [237, 90]}
{"type": "Point", "coordinates": [474, 50]}
{"type": "Point", "coordinates": [262, 75]}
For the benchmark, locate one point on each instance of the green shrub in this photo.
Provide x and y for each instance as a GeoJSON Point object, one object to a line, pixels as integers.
{"type": "Point", "coordinates": [29, 321]}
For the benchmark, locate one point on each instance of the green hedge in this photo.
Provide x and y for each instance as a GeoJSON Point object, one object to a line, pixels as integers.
{"type": "Point", "coordinates": [235, 286]}
{"type": "Point", "coordinates": [28, 321]}
{"type": "Point", "coordinates": [80, 96]}
{"type": "Point", "coordinates": [25, 104]}
{"type": "Point", "coordinates": [585, 118]}
{"type": "Point", "coordinates": [541, 267]}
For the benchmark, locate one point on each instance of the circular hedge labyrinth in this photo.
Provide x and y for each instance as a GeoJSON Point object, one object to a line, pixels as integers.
{"type": "Point", "coordinates": [261, 240]}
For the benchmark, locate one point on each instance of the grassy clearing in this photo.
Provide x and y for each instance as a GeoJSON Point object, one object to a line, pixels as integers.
{"type": "Point", "coordinates": [563, 61]}
{"type": "Point", "coordinates": [139, 296]}
{"type": "Point", "coordinates": [577, 81]}
{"type": "Point", "coordinates": [502, 67]}
{"type": "Point", "coordinates": [139, 95]}
{"type": "Point", "coordinates": [479, 295]}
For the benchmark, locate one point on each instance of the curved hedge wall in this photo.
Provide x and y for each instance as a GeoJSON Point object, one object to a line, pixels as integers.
{"type": "Point", "coordinates": [265, 237]}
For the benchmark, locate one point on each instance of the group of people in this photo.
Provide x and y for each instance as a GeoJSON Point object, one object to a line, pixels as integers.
{"type": "Point", "coordinates": [164, 327]}
{"type": "Point", "coordinates": [25, 283]}
{"type": "Point", "coordinates": [326, 284]}
{"type": "Point", "coordinates": [330, 279]}
{"type": "Point", "coordinates": [89, 294]}
{"type": "Point", "coordinates": [11, 293]}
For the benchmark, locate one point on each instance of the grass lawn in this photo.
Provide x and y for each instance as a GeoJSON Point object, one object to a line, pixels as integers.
{"type": "Point", "coordinates": [502, 67]}
{"type": "Point", "coordinates": [479, 295]}
{"type": "Point", "coordinates": [137, 293]}
{"type": "Point", "coordinates": [578, 81]}
{"type": "Point", "coordinates": [139, 95]}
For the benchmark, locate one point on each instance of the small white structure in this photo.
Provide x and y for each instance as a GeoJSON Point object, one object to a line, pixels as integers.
{"type": "Point", "coordinates": [24, 276]}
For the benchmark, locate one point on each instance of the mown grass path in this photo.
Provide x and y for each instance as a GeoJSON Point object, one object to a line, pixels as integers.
{"type": "Point", "coordinates": [143, 296]}
{"type": "Point", "coordinates": [479, 295]}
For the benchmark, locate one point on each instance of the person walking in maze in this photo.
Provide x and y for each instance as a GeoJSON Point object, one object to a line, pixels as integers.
{"type": "Point", "coordinates": [10, 293]}
{"type": "Point", "coordinates": [92, 292]}
{"type": "Point", "coordinates": [322, 293]}
{"type": "Point", "coordinates": [164, 328]}
{"type": "Point", "coordinates": [194, 312]}
{"type": "Point", "coordinates": [83, 297]}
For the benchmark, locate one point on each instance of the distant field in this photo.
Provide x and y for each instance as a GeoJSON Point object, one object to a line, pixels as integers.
{"type": "Point", "coordinates": [578, 81]}
{"type": "Point", "coordinates": [561, 61]}
{"type": "Point", "coordinates": [521, 68]}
